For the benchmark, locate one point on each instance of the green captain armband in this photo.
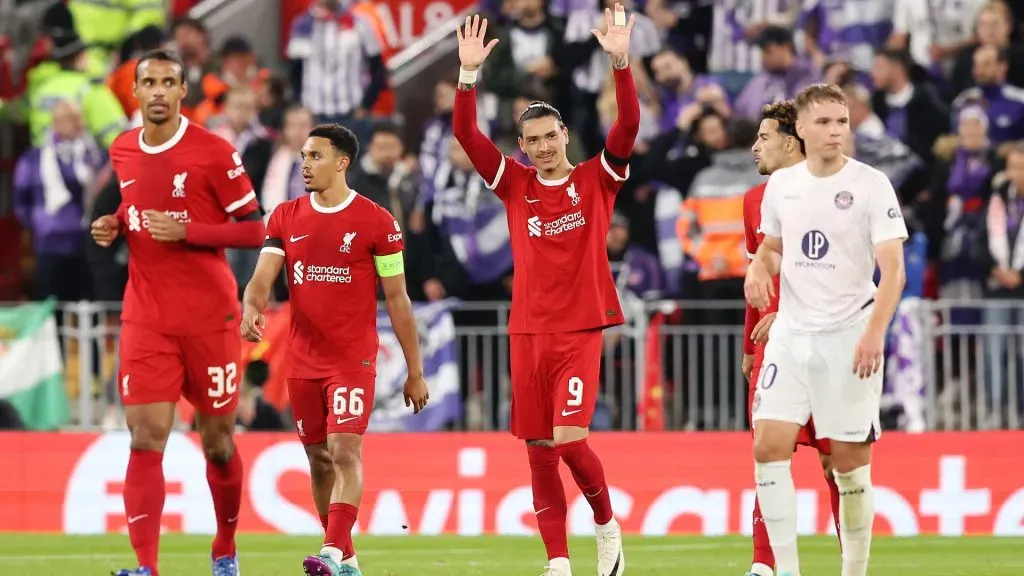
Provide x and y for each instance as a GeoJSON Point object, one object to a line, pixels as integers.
{"type": "Point", "coordinates": [390, 265]}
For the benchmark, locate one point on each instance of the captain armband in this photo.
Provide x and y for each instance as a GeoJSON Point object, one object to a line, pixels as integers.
{"type": "Point", "coordinates": [390, 264]}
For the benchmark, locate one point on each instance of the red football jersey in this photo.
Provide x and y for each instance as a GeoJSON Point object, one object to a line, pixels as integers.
{"type": "Point", "coordinates": [332, 281]}
{"type": "Point", "coordinates": [196, 176]}
{"type": "Point", "coordinates": [754, 237]}
{"type": "Point", "coordinates": [559, 233]}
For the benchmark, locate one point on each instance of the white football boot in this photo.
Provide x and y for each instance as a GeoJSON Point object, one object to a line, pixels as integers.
{"type": "Point", "coordinates": [610, 560]}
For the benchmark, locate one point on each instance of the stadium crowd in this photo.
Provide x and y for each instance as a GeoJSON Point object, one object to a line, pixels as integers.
{"type": "Point", "coordinates": [936, 92]}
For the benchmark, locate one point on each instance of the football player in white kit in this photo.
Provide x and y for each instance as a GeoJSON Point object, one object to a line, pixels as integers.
{"type": "Point", "coordinates": [831, 218]}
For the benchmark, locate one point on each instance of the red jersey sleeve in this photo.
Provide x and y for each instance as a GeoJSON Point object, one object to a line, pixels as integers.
{"type": "Point", "coordinates": [230, 183]}
{"type": "Point", "coordinates": [751, 218]}
{"type": "Point", "coordinates": [389, 238]}
{"type": "Point", "coordinates": [274, 241]}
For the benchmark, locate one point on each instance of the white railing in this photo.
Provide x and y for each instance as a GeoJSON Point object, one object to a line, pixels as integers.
{"type": "Point", "coordinates": [952, 365]}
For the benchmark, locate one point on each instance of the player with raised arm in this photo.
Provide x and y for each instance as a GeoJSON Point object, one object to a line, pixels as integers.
{"type": "Point", "coordinates": [336, 244]}
{"type": "Point", "coordinates": [184, 198]}
{"type": "Point", "coordinates": [777, 147]}
{"type": "Point", "coordinates": [563, 295]}
{"type": "Point", "coordinates": [831, 218]}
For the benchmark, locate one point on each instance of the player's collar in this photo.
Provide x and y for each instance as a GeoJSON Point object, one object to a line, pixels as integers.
{"type": "Point", "coordinates": [558, 182]}
{"type": "Point", "coordinates": [332, 209]}
{"type": "Point", "coordinates": [166, 145]}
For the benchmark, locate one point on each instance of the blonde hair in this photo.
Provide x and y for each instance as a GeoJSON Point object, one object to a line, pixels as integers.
{"type": "Point", "coordinates": [817, 94]}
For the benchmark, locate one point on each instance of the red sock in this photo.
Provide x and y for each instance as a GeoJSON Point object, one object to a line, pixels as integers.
{"type": "Point", "coordinates": [762, 546]}
{"type": "Point", "coordinates": [226, 488]}
{"type": "Point", "coordinates": [549, 500]}
{"type": "Point", "coordinates": [144, 494]}
{"type": "Point", "coordinates": [589, 475]}
{"type": "Point", "coordinates": [340, 520]}
{"type": "Point", "coordinates": [833, 492]}
{"type": "Point", "coordinates": [323, 522]}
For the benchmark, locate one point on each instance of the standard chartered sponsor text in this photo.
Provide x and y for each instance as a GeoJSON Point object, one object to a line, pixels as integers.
{"type": "Point", "coordinates": [331, 274]}
{"type": "Point", "coordinates": [565, 223]}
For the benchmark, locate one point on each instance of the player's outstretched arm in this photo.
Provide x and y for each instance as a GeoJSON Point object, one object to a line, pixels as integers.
{"type": "Point", "coordinates": [485, 155]}
{"type": "Point", "coordinates": [257, 293]}
{"type": "Point", "coordinates": [399, 307]}
{"type": "Point", "coordinates": [622, 136]}
{"type": "Point", "coordinates": [247, 231]}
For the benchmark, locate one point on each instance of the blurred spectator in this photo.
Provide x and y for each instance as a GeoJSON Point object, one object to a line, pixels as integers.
{"type": "Point", "coordinates": [437, 131]}
{"type": "Point", "coordinates": [530, 56]}
{"type": "Point", "coordinates": [590, 67]}
{"type": "Point", "coordinates": [122, 79]}
{"type": "Point", "coordinates": [104, 118]}
{"type": "Point", "coordinates": [470, 255]}
{"type": "Point", "coordinates": [255, 414]}
{"type": "Point", "coordinates": [934, 32]}
{"type": "Point", "coordinates": [283, 180]}
{"type": "Point", "coordinates": [783, 74]}
{"type": "Point", "coordinates": [689, 26]}
{"type": "Point", "coordinates": [49, 200]}
{"type": "Point", "coordinates": [1003, 103]}
{"type": "Point", "coordinates": [913, 114]}
{"type": "Point", "coordinates": [193, 44]}
{"type": "Point", "coordinates": [368, 9]}
{"type": "Point", "coordinates": [634, 268]}
{"type": "Point", "coordinates": [337, 71]}
{"type": "Point", "coordinates": [851, 30]}
{"type": "Point", "coordinates": [608, 111]}
{"type": "Point", "coordinates": [710, 226]}
{"type": "Point", "coordinates": [993, 28]}
{"type": "Point", "coordinates": [105, 25]}
{"type": "Point", "coordinates": [737, 26]}
{"type": "Point", "coordinates": [1006, 256]}
{"type": "Point", "coordinates": [237, 68]}
{"type": "Point", "coordinates": [273, 101]}
{"type": "Point", "coordinates": [385, 174]}
{"type": "Point", "coordinates": [107, 266]}
{"type": "Point", "coordinates": [680, 88]}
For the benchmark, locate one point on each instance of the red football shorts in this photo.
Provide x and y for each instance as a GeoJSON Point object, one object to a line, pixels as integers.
{"type": "Point", "coordinates": [555, 380]}
{"type": "Point", "coordinates": [204, 368]}
{"type": "Point", "coordinates": [332, 405]}
{"type": "Point", "coordinates": [806, 435]}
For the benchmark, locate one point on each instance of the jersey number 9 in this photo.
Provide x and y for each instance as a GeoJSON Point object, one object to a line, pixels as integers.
{"type": "Point", "coordinates": [346, 402]}
{"type": "Point", "coordinates": [576, 391]}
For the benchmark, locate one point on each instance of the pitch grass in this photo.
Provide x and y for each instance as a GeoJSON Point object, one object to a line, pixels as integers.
{"type": "Point", "coordinates": [262, 555]}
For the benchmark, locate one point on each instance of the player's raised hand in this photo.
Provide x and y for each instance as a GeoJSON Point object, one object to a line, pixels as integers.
{"type": "Point", "coordinates": [416, 393]}
{"type": "Point", "coordinates": [758, 286]}
{"type": "Point", "coordinates": [253, 323]}
{"type": "Point", "coordinates": [105, 229]}
{"type": "Point", "coordinates": [472, 51]}
{"type": "Point", "coordinates": [615, 39]}
{"type": "Point", "coordinates": [163, 228]}
{"type": "Point", "coordinates": [867, 356]}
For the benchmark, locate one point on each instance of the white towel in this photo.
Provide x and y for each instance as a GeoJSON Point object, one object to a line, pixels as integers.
{"type": "Point", "coordinates": [79, 154]}
{"type": "Point", "coordinates": [278, 179]}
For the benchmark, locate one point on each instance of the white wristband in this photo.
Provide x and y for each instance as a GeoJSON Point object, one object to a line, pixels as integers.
{"type": "Point", "coordinates": [468, 77]}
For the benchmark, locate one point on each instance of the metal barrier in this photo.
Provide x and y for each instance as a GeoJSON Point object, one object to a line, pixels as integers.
{"type": "Point", "coordinates": [952, 365]}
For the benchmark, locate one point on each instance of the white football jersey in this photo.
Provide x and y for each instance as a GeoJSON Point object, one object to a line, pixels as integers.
{"type": "Point", "coordinates": [829, 227]}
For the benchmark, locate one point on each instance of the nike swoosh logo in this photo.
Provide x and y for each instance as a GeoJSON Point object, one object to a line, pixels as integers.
{"type": "Point", "coordinates": [528, 201]}
{"type": "Point", "coordinates": [127, 183]}
{"type": "Point", "coordinates": [570, 413]}
{"type": "Point", "coordinates": [594, 494]}
{"type": "Point", "coordinates": [541, 510]}
{"type": "Point", "coordinates": [217, 404]}
{"type": "Point", "coordinates": [134, 519]}
{"type": "Point", "coordinates": [297, 238]}
{"type": "Point", "coordinates": [232, 520]}
{"type": "Point", "coordinates": [343, 420]}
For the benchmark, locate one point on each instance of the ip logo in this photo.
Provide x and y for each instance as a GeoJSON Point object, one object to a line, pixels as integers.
{"type": "Point", "coordinates": [297, 272]}
{"type": "Point", "coordinates": [533, 225]}
{"type": "Point", "coordinates": [815, 245]}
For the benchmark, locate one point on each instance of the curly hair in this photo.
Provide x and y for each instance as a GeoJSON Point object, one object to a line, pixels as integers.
{"type": "Point", "coordinates": [784, 113]}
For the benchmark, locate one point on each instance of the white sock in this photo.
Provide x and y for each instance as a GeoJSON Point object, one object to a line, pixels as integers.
{"type": "Point", "coordinates": [857, 516]}
{"type": "Point", "coordinates": [351, 562]}
{"type": "Point", "coordinates": [777, 496]}
{"type": "Point", "coordinates": [335, 553]}
{"type": "Point", "coordinates": [559, 564]}
{"type": "Point", "coordinates": [761, 569]}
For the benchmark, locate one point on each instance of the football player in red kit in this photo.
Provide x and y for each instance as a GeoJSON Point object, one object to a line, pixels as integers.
{"type": "Point", "coordinates": [777, 146]}
{"type": "Point", "coordinates": [334, 244]}
{"type": "Point", "coordinates": [184, 198]}
{"type": "Point", "coordinates": [563, 295]}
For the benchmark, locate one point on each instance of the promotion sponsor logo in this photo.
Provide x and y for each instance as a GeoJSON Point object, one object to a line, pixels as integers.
{"type": "Point", "coordinates": [471, 484]}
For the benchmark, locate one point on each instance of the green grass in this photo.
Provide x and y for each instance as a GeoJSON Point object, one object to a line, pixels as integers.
{"type": "Point", "coordinates": [30, 554]}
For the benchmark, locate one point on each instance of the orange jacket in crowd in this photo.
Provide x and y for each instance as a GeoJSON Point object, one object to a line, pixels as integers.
{"type": "Point", "coordinates": [385, 105]}
{"type": "Point", "coordinates": [215, 88]}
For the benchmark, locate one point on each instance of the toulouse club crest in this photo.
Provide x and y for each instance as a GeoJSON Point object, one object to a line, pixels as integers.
{"type": "Point", "coordinates": [844, 200]}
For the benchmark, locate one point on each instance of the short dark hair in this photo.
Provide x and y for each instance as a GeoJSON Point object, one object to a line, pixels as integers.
{"type": "Point", "coordinates": [539, 109]}
{"type": "Point", "coordinates": [386, 127]}
{"type": "Point", "coordinates": [775, 36]}
{"type": "Point", "coordinates": [192, 23]}
{"type": "Point", "coordinates": [163, 55]}
{"type": "Point", "coordinates": [898, 56]}
{"type": "Point", "coordinates": [342, 139]}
